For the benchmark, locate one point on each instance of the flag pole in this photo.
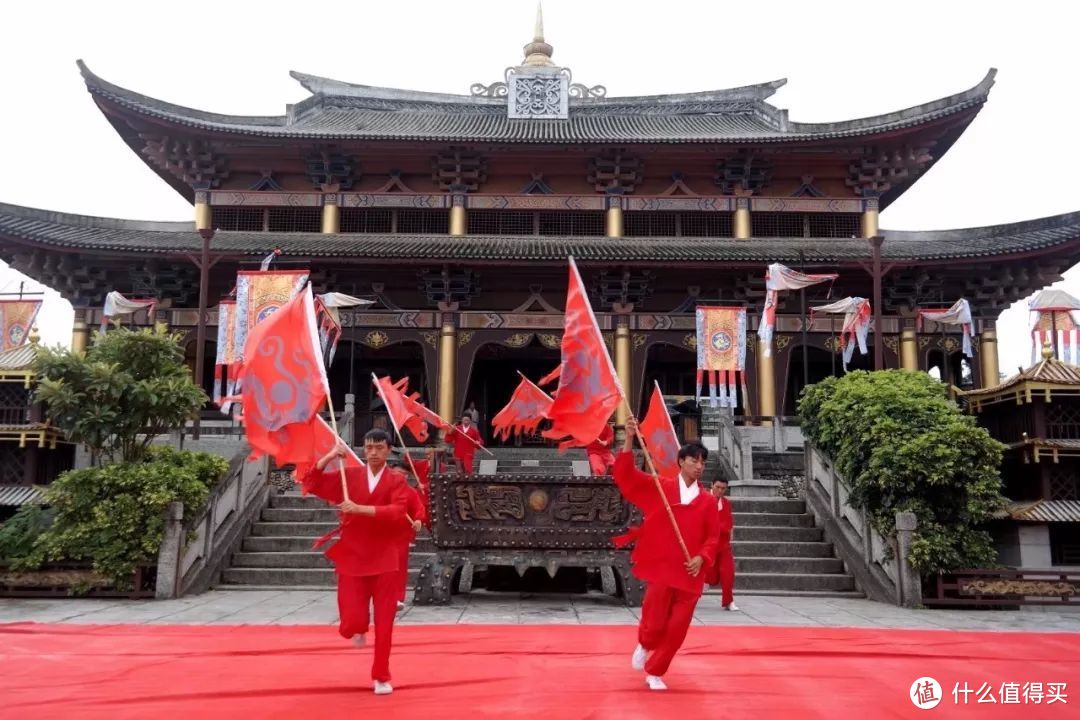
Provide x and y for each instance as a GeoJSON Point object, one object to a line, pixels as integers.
{"type": "Point", "coordinates": [341, 461]}
{"type": "Point", "coordinates": [630, 413]}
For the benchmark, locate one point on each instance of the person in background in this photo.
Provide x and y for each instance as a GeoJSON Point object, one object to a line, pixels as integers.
{"type": "Point", "coordinates": [466, 439]}
{"type": "Point", "coordinates": [722, 571]}
{"type": "Point", "coordinates": [599, 452]}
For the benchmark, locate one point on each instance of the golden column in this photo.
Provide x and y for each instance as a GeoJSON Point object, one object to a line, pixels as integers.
{"type": "Point", "coordinates": [613, 218]}
{"type": "Point", "coordinates": [741, 221]}
{"type": "Point", "coordinates": [331, 212]}
{"type": "Point", "coordinates": [988, 348]}
{"type": "Point", "coordinates": [204, 217]}
{"type": "Point", "coordinates": [447, 362]}
{"type": "Point", "coordinates": [459, 224]}
{"type": "Point", "coordinates": [622, 365]}
{"type": "Point", "coordinates": [909, 350]}
{"type": "Point", "coordinates": [870, 217]}
{"type": "Point", "coordinates": [80, 335]}
{"type": "Point", "coordinates": [766, 383]}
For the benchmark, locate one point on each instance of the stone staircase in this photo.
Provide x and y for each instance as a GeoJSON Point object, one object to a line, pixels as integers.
{"type": "Point", "coordinates": [533, 461]}
{"type": "Point", "coordinates": [277, 554]}
{"type": "Point", "coordinates": [778, 551]}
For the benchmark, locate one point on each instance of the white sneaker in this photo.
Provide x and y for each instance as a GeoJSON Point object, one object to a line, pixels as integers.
{"type": "Point", "coordinates": [637, 660]}
{"type": "Point", "coordinates": [382, 688]}
{"type": "Point", "coordinates": [655, 683]}
{"type": "Point", "coordinates": [359, 640]}
{"type": "Point", "coordinates": [732, 606]}
{"type": "Point", "coordinates": [400, 606]}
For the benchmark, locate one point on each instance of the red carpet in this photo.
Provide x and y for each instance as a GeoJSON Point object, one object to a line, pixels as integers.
{"type": "Point", "coordinates": [79, 672]}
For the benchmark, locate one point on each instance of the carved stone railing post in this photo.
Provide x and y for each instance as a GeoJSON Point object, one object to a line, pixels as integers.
{"type": "Point", "coordinates": [168, 564]}
{"type": "Point", "coordinates": [910, 584]}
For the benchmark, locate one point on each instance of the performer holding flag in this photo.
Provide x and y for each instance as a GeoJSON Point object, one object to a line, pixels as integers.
{"type": "Point", "coordinates": [284, 385]}
{"type": "Point", "coordinates": [670, 553]}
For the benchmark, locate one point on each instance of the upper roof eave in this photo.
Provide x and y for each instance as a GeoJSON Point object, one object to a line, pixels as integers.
{"type": "Point", "coordinates": [623, 123]}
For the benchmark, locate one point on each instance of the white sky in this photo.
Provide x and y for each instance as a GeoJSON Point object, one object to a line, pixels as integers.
{"type": "Point", "coordinates": [1018, 160]}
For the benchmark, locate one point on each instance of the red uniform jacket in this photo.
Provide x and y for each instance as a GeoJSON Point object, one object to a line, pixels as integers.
{"type": "Point", "coordinates": [368, 545]}
{"type": "Point", "coordinates": [657, 557]}
{"type": "Point", "coordinates": [423, 471]}
{"type": "Point", "coordinates": [462, 447]}
{"type": "Point", "coordinates": [601, 446]}
{"type": "Point", "coordinates": [726, 520]}
{"type": "Point", "coordinates": [415, 508]}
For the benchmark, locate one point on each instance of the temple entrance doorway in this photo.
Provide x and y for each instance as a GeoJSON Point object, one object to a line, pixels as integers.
{"type": "Point", "coordinates": [494, 377]}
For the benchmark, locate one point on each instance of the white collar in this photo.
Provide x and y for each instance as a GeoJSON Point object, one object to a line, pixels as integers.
{"type": "Point", "coordinates": [687, 495]}
{"type": "Point", "coordinates": [373, 480]}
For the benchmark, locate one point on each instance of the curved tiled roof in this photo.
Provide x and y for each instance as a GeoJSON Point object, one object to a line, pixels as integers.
{"type": "Point", "coordinates": [338, 110]}
{"type": "Point", "coordinates": [47, 229]}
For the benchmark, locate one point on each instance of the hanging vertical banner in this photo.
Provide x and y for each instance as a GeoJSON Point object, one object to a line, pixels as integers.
{"type": "Point", "coordinates": [857, 314]}
{"type": "Point", "coordinates": [780, 277]}
{"type": "Point", "coordinates": [226, 355]}
{"type": "Point", "coordinates": [117, 304]}
{"type": "Point", "coordinates": [721, 352]}
{"type": "Point", "coordinates": [16, 319]}
{"type": "Point", "coordinates": [1055, 323]}
{"type": "Point", "coordinates": [258, 295]}
{"type": "Point", "coordinates": [958, 314]}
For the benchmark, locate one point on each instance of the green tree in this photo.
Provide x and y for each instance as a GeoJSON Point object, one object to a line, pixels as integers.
{"type": "Point", "coordinates": [902, 445]}
{"type": "Point", "coordinates": [128, 388]}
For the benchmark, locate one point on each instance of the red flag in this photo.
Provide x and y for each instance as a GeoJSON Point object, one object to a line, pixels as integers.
{"type": "Point", "coordinates": [284, 380]}
{"type": "Point", "coordinates": [527, 407]}
{"type": "Point", "coordinates": [426, 414]}
{"type": "Point", "coordinates": [397, 406]}
{"type": "Point", "coordinates": [550, 377]}
{"type": "Point", "coordinates": [659, 436]}
{"type": "Point", "coordinates": [589, 389]}
{"type": "Point", "coordinates": [307, 443]}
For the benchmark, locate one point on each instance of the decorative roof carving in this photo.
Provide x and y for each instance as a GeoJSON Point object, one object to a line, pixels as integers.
{"type": "Point", "coordinates": [188, 159]}
{"type": "Point", "coordinates": [745, 173]}
{"type": "Point", "coordinates": [449, 286]}
{"type": "Point", "coordinates": [459, 170]}
{"type": "Point", "coordinates": [615, 171]}
{"type": "Point", "coordinates": [879, 169]}
{"type": "Point", "coordinates": [326, 167]}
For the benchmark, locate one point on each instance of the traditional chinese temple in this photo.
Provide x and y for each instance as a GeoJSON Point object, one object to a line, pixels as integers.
{"type": "Point", "coordinates": [455, 214]}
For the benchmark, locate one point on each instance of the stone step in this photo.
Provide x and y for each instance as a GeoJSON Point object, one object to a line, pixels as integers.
{"type": "Point", "coordinates": [295, 500]}
{"type": "Point", "coordinates": [793, 581]}
{"type": "Point", "coordinates": [788, 593]}
{"type": "Point", "coordinates": [303, 544]}
{"type": "Point", "coordinates": [757, 488]}
{"type": "Point", "coordinates": [288, 529]}
{"type": "Point", "coordinates": [794, 565]}
{"type": "Point", "coordinates": [782, 549]}
{"type": "Point", "coordinates": [744, 519]}
{"type": "Point", "coordinates": [301, 559]}
{"type": "Point", "coordinates": [309, 577]}
{"type": "Point", "coordinates": [778, 534]}
{"type": "Point", "coordinates": [768, 505]}
{"type": "Point", "coordinates": [300, 515]}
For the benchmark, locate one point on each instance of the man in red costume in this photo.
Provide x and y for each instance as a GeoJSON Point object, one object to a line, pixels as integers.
{"type": "Point", "coordinates": [722, 572]}
{"type": "Point", "coordinates": [673, 584]}
{"type": "Point", "coordinates": [367, 556]}
{"type": "Point", "coordinates": [465, 438]}
{"type": "Point", "coordinates": [599, 452]}
{"type": "Point", "coordinates": [418, 514]}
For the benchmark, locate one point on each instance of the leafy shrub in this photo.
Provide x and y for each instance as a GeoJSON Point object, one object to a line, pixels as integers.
{"type": "Point", "coordinates": [129, 387]}
{"type": "Point", "coordinates": [113, 515]}
{"type": "Point", "coordinates": [20, 531]}
{"type": "Point", "coordinates": [903, 446]}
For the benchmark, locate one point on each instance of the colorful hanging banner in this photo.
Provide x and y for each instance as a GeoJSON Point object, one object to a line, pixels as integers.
{"type": "Point", "coordinates": [1056, 322]}
{"type": "Point", "coordinates": [258, 294]}
{"type": "Point", "coordinates": [16, 319]}
{"type": "Point", "coordinates": [780, 277]}
{"type": "Point", "coordinates": [721, 352]}
{"type": "Point", "coordinates": [226, 355]}
{"type": "Point", "coordinates": [857, 315]}
{"type": "Point", "coordinates": [958, 314]}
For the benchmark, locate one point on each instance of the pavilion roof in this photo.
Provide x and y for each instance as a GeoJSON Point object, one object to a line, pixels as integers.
{"type": "Point", "coordinates": [338, 110]}
{"type": "Point", "coordinates": [67, 232]}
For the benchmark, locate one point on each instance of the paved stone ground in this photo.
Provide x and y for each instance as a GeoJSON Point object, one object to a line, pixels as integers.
{"type": "Point", "coordinates": [319, 607]}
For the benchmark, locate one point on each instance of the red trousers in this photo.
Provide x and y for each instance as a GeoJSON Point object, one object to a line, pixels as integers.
{"type": "Point", "coordinates": [355, 594]}
{"type": "Point", "coordinates": [725, 563]}
{"type": "Point", "coordinates": [665, 617]}
{"type": "Point", "coordinates": [466, 460]}
{"type": "Point", "coordinates": [600, 463]}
